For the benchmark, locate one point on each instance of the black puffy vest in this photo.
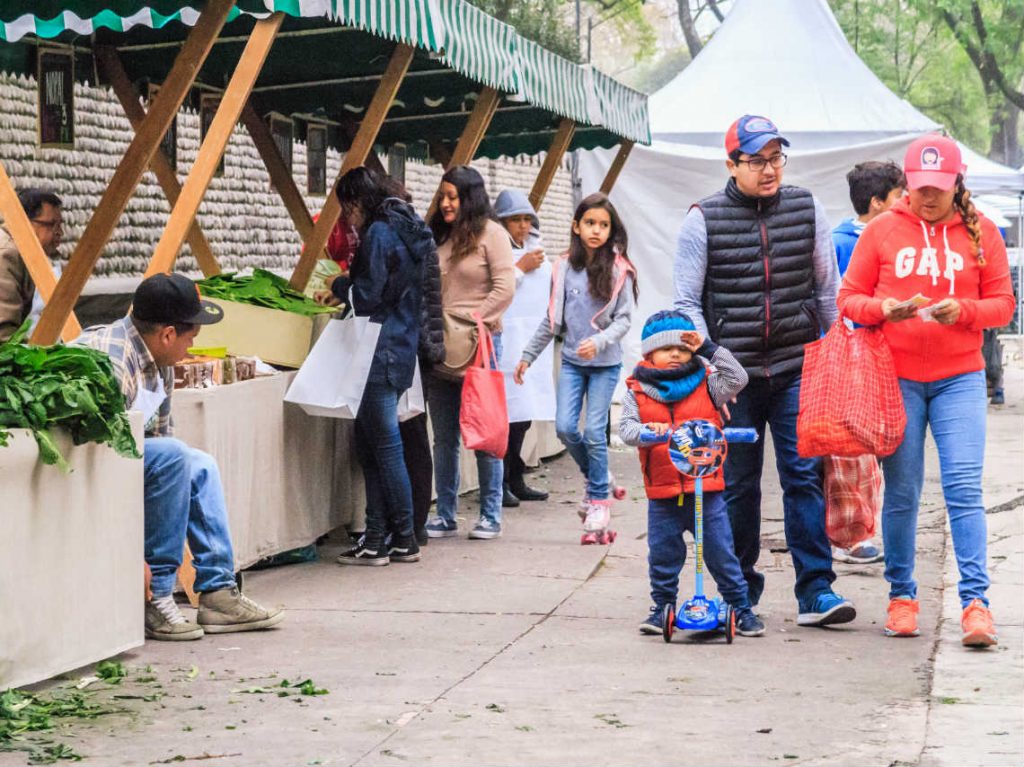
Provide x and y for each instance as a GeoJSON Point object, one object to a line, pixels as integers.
{"type": "Point", "coordinates": [759, 287]}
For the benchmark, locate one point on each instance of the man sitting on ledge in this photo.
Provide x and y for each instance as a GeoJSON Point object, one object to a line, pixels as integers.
{"type": "Point", "coordinates": [183, 493]}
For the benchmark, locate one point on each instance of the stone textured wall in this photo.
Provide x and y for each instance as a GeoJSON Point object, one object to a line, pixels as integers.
{"type": "Point", "coordinates": [244, 220]}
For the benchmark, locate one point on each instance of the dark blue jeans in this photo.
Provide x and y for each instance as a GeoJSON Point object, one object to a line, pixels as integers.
{"type": "Point", "coordinates": [775, 401]}
{"type": "Point", "coordinates": [380, 453]}
{"type": "Point", "coordinates": [666, 549]}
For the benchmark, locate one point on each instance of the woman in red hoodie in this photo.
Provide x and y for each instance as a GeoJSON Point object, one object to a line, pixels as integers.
{"type": "Point", "coordinates": [934, 243]}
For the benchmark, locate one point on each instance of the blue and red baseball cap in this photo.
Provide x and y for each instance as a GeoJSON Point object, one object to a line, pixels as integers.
{"type": "Point", "coordinates": [750, 133]}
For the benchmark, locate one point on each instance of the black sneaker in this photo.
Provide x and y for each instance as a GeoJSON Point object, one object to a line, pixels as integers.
{"type": "Point", "coordinates": [526, 493]}
{"type": "Point", "coordinates": [748, 624]}
{"type": "Point", "coordinates": [652, 623]}
{"type": "Point", "coordinates": [421, 536]}
{"type": "Point", "coordinates": [508, 498]}
{"type": "Point", "coordinates": [368, 553]}
{"type": "Point", "coordinates": [404, 549]}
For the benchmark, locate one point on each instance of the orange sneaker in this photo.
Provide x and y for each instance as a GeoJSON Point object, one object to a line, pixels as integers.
{"type": "Point", "coordinates": [902, 618]}
{"type": "Point", "coordinates": [977, 625]}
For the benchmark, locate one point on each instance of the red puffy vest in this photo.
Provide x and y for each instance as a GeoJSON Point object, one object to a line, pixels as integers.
{"type": "Point", "coordinates": [661, 479]}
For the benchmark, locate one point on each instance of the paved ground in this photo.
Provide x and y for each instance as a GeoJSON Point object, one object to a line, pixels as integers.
{"type": "Point", "coordinates": [524, 651]}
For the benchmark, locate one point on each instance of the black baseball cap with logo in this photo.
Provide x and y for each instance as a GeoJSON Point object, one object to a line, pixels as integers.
{"type": "Point", "coordinates": [173, 299]}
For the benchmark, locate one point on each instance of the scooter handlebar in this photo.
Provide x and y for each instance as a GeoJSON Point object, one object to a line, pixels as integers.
{"type": "Point", "coordinates": [740, 435]}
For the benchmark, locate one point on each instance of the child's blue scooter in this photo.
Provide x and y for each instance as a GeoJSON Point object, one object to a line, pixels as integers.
{"type": "Point", "coordinates": [697, 449]}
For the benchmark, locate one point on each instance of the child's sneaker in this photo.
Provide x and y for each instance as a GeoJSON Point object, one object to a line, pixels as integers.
{"type": "Point", "coordinates": [599, 514]}
{"type": "Point", "coordinates": [979, 631]}
{"type": "Point", "coordinates": [748, 624]}
{"type": "Point", "coordinates": [652, 623]}
{"type": "Point", "coordinates": [902, 618]}
{"type": "Point", "coordinates": [485, 529]}
{"type": "Point", "coordinates": [828, 608]}
{"type": "Point", "coordinates": [439, 527]}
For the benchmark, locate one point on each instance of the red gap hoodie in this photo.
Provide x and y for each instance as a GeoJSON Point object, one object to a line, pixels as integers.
{"type": "Point", "coordinates": [899, 255]}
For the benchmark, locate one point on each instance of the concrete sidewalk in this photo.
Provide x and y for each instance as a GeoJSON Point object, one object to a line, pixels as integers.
{"type": "Point", "coordinates": [525, 651]}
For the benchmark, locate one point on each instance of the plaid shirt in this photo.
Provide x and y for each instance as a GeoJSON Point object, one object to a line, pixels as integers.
{"type": "Point", "coordinates": [134, 365]}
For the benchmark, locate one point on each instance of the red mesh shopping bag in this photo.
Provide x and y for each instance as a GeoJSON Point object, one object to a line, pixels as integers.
{"type": "Point", "coordinates": [850, 400]}
{"type": "Point", "coordinates": [853, 496]}
{"type": "Point", "coordinates": [483, 417]}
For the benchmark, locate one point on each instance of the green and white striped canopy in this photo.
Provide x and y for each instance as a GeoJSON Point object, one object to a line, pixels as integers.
{"type": "Point", "coordinates": [469, 41]}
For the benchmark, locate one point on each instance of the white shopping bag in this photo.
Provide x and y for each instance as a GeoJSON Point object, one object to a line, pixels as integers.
{"type": "Point", "coordinates": [331, 381]}
{"type": "Point", "coordinates": [412, 403]}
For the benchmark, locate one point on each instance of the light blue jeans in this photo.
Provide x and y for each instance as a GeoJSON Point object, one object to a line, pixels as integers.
{"type": "Point", "coordinates": [589, 449]}
{"type": "Point", "coordinates": [955, 408]}
{"type": "Point", "coordinates": [183, 498]}
{"type": "Point", "coordinates": [444, 401]}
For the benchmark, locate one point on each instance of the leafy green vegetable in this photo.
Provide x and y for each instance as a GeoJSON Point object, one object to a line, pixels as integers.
{"type": "Point", "coordinates": [264, 289]}
{"type": "Point", "coordinates": [111, 670]}
{"type": "Point", "coordinates": [71, 387]}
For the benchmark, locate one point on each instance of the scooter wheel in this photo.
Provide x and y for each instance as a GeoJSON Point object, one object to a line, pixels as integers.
{"type": "Point", "coordinates": [619, 492]}
{"type": "Point", "coordinates": [668, 622]}
{"type": "Point", "coordinates": [730, 625]}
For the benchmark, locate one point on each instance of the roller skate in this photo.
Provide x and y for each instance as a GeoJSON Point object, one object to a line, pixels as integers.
{"type": "Point", "coordinates": [618, 493]}
{"type": "Point", "coordinates": [595, 526]}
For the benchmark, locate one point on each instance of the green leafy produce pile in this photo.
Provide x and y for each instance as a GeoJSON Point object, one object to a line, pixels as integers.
{"type": "Point", "coordinates": [22, 713]}
{"type": "Point", "coordinates": [75, 388]}
{"type": "Point", "coordinates": [263, 288]}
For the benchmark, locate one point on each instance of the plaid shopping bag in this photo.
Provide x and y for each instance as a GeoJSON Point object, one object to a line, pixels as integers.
{"type": "Point", "coordinates": [853, 498]}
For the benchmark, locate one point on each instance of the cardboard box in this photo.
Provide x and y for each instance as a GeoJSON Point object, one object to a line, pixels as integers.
{"type": "Point", "coordinates": [275, 336]}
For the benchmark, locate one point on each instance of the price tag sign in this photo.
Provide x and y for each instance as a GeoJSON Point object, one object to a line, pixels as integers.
{"type": "Point", "coordinates": [56, 76]}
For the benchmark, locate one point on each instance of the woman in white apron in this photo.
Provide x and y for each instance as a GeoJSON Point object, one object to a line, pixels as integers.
{"type": "Point", "coordinates": [535, 400]}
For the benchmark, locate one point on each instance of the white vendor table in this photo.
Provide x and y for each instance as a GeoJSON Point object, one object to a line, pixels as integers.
{"type": "Point", "coordinates": [71, 562]}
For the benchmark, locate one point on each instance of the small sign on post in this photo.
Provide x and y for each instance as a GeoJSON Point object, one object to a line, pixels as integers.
{"type": "Point", "coordinates": [56, 113]}
{"type": "Point", "coordinates": [316, 159]}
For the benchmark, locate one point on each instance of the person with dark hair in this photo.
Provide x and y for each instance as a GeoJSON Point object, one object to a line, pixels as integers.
{"type": "Point", "coordinates": [184, 499]}
{"type": "Point", "coordinates": [477, 280]}
{"type": "Point", "coordinates": [593, 295]}
{"type": "Point", "coordinates": [874, 187]}
{"type": "Point", "coordinates": [936, 244]}
{"type": "Point", "coordinates": [386, 282]}
{"type": "Point", "coordinates": [17, 289]}
{"type": "Point", "coordinates": [756, 272]}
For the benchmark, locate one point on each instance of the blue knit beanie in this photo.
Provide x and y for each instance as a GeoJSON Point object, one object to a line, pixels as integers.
{"type": "Point", "coordinates": [664, 329]}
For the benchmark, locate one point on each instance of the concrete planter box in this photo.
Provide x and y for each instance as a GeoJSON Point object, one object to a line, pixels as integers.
{"type": "Point", "coordinates": [71, 558]}
{"type": "Point", "coordinates": [275, 336]}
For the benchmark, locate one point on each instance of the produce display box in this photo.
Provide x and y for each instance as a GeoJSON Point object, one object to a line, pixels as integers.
{"type": "Point", "coordinates": [275, 336]}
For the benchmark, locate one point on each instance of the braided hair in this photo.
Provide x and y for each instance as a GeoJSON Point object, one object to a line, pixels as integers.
{"type": "Point", "coordinates": [969, 215]}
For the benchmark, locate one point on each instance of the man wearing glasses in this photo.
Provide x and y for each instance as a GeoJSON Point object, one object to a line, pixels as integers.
{"type": "Point", "coordinates": [17, 290]}
{"type": "Point", "coordinates": [756, 271]}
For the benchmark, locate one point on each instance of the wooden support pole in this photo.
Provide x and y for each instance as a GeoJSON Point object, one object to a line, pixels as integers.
{"type": "Point", "coordinates": [113, 70]}
{"type": "Point", "coordinates": [228, 111]}
{"type": "Point", "coordinates": [616, 167]}
{"type": "Point", "coordinates": [280, 176]}
{"type": "Point", "coordinates": [31, 252]}
{"type": "Point", "coordinates": [472, 134]}
{"type": "Point", "coordinates": [360, 149]}
{"type": "Point", "coordinates": [136, 159]}
{"type": "Point", "coordinates": [559, 145]}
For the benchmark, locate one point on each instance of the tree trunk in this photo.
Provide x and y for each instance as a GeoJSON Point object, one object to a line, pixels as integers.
{"type": "Point", "coordinates": [1006, 139]}
{"type": "Point", "coordinates": [693, 42]}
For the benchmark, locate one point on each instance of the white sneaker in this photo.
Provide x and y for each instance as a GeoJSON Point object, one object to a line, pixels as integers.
{"type": "Point", "coordinates": [164, 621]}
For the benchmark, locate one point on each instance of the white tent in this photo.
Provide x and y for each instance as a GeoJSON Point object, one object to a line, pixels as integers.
{"type": "Point", "coordinates": [788, 60]}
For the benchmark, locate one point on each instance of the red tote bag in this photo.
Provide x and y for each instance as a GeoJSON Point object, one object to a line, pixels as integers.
{"type": "Point", "coordinates": [483, 419]}
{"type": "Point", "coordinates": [853, 498]}
{"type": "Point", "coordinates": [850, 399]}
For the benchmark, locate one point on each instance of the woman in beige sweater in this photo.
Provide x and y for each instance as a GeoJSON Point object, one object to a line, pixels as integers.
{"type": "Point", "coordinates": [477, 277]}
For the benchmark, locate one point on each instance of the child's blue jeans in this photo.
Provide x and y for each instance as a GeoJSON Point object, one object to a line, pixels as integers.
{"type": "Point", "coordinates": [666, 550]}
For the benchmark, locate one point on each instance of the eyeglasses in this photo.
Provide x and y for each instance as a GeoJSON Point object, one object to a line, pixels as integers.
{"type": "Point", "coordinates": [49, 224]}
{"type": "Point", "coordinates": [758, 163]}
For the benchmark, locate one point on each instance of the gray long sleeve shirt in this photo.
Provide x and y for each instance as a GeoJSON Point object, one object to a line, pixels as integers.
{"type": "Point", "coordinates": [691, 262]}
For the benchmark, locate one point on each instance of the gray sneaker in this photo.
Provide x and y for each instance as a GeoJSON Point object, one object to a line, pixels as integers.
{"type": "Point", "coordinates": [165, 622]}
{"type": "Point", "coordinates": [227, 610]}
{"type": "Point", "coordinates": [485, 529]}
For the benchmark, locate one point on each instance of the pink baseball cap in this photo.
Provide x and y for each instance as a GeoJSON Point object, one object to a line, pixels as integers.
{"type": "Point", "coordinates": [933, 160]}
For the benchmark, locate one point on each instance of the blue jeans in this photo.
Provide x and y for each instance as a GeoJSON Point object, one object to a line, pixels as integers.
{"type": "Point", "coordinates": [666, 549]}
{"type": "Point", "coordinates": [183, 498]}
{"type": "Point", "coordinates": [775, 401]}
{"type": "Point", "coordinates": [380, 453]}
{"type": "Point", "coordinates": [444, 401]}
{"type": "Point", "coordinates": [589, 449]}
{"type": "Point", "coordinates": [955, 408]}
